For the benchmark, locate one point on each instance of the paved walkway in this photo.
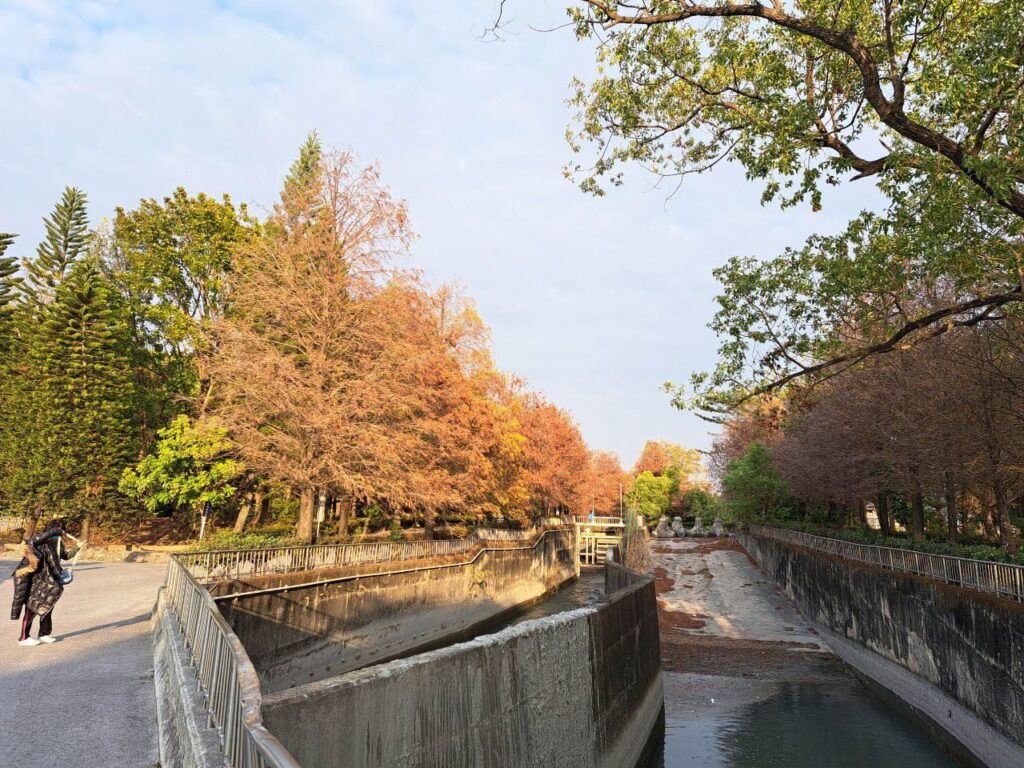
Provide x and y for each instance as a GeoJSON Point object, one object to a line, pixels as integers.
{"type": "Point", "coordinates": [88, 700]}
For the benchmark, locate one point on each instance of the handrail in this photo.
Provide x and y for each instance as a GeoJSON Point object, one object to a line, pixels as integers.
{"type": "Point", "coordinates": [482, 548]}
{"type": "Point", "coordinates": [226, 676]}
{"type": "Point", "coordinates": [12, 522]}
{"type": "Point", "coordinates": [229, 564]}
{"type": "Point", "coordinates": [1001, 579]}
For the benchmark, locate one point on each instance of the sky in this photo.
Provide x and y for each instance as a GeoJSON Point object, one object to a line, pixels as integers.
{"type": "Point", "coordinates": [595, 301]}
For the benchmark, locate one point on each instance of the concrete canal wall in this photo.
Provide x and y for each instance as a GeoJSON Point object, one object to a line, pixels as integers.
{"type": "Point", "coordinates": [314, 631]}
{"type": "Point", "coordinates": [581, 689]}
{"type": "Point", "coordinates": [968, 647]}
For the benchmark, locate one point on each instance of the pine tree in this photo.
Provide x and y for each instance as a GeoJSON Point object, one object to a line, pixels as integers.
{"type": "Point", "coordinates": [8, 289]}
{"type": "Point", "coordinates": [8, 356]}
{"type": "Point", "coordinates": [301, 185]}
{"type": "Point", "coordinates": [306, 168]}
{"type": "Point", "coordinates": [67, 238]}
{"type": "Point", "coordinates": [86, 397]}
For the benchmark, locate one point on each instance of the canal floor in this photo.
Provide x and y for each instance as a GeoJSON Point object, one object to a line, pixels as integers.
{"type": "Point", "coordinates": [749, 683]}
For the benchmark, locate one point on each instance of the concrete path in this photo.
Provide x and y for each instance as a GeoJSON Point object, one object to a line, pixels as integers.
{"type": "Point", "coordinates": [87, 700]}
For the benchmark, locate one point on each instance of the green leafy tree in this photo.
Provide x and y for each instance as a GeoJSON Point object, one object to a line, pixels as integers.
{"type": "Point", "coordinates": [305, 170]}
{"type": "Point", "coordinates": [169, 260]}
{"type": "Point", "coordinates": [67, 240]}
{"type": "Point", "coordinates": [697, 501]}
{"type": "Point", "coordinates": [753, 488]}
{"type": "Point", "coordinates": [921, 98]}
{"type": "Point", "coordinates": [190, 466]}
{"type": "Point", "coordinates": [651, 495]}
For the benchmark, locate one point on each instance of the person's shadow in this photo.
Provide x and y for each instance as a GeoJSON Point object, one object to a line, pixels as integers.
{"type": "Point", "coordinates": [112, 625]}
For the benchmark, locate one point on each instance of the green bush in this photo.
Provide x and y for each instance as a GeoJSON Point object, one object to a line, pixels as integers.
{"type": "Point", "coordinates": [259, 539]}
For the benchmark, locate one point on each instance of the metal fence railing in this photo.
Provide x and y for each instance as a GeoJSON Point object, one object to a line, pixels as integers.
{"type": "Point", "coordinates": [227, 678]}
{"type": "Point", "coordinates": [224, 565]}
{"type": "Point", "coordinates": [609, 520]}
{"type": "Point", "coordinates": [229, 564]}
{"type": "Point", "coordinates": [1001, 579]}
{"type": "Point", "coordinates": [8, 523]}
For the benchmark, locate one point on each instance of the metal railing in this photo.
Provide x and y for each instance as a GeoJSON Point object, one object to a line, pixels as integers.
{"type": "Point", "coordinates": [228, 564]}
{"type": "Point", "coordinates": [1000, 579]}
{"type": "Point", "coordinates": [227, 678]}
{"type": "Point", "coordinates": [532, 541]}
{"type": "Point", "coordinates": [9, 523]}
{"type": "Point", "coordinates": [609, 520]}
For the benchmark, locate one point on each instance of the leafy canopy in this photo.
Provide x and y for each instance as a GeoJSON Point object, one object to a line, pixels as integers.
{"type": "Point", "coordinates": [191, 465]}
{"type": "Point", "coordinates": [923, 98]}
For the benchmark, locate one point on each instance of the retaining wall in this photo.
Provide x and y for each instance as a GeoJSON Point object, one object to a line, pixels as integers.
{"type": "Point", "coordinates": [581, 689]}
{"type": "Point", "coordinates": [968, 645]}
{"type": "Point", "coordinates": [186, 738]}
{"type": "Point", "coordinates": [314, 631]}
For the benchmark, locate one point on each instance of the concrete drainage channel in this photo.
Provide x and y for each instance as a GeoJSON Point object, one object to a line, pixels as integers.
{"type": "Point", "coordinates": [950, 658]}
{"type": "Point", "coordinates": [579, 688]}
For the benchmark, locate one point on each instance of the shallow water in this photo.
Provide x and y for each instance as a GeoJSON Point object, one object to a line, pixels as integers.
{"type": "Point", "coordinates": [802, 725]}
{"type": "Point", "coordinates": [588, 589]}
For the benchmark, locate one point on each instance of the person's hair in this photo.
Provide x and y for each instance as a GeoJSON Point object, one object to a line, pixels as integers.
{"type": "Point", "coordinates": [56, 523]}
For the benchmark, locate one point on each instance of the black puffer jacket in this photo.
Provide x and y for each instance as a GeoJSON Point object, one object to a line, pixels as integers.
{"type": "Point", "coordinates": [37, 578]}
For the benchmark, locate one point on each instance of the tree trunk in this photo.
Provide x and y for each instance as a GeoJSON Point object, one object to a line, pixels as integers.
{"type": "Point", "coordinates": [1006, 534]}
{"type": "Point", "coordinates": [243, 514]}
{"type": "Point", "coordinates": [428, 524]}
{"type": "Point", "coordinates": [882, 507]}
{"type": "Point", "coordinates": [862, 512]}
{"type": "Point", "coordinates": [259, 504]}
{"type": "Point", "coordinates": [307, 508]}
{"type": "Point", "coordinates": [86, 528]}
{"type": "Point", "coordinates": [917, 516]}
{"type": "Point", "coordinates": [951, 511]}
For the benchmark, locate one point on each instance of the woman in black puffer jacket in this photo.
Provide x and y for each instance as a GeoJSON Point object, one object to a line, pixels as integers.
{"type": "Point", "coordinates": [37, 584]}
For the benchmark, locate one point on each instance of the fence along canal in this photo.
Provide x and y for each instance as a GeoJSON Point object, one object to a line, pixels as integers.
{"type": "Point", "coordinates": [1000, 579]}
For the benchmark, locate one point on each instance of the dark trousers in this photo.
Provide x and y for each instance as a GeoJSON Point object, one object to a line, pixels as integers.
{"type": "Point", "coordinates": [45, 624]}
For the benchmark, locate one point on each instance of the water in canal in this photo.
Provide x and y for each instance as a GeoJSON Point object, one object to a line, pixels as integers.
{"type": "Point", "coordinates": [801, 725]}
{"type": "Point", "coordinates": [829, 723]}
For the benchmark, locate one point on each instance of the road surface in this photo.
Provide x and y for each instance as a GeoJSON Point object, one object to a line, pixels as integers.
{"type": "Point", "coordinates": [87, 700]}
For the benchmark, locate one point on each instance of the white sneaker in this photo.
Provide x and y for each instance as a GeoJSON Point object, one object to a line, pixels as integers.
{"type": "Point", "coordinates": [47, 639]}
{"type": "Point", "coordinates": [28, 642]}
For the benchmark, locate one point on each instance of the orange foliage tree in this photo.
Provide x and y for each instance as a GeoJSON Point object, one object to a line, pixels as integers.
{"type": "Point", "coordinates": [317, 372]}
{"type": "Point", "coordinates": [339, 374]}
{"type": "Point", "coordinates": [557, 460]}
{"type": "Point", "coordinates": [606, 479]}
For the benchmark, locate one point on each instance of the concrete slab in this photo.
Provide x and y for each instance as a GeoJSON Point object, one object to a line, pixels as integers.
{"type": "Point", "coordinates": [719, 586]}
{"type": "Point", "coordinates": [87, 700]}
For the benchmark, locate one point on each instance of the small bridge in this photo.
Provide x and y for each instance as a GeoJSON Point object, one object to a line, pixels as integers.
{"type": "Point", "coordinates": [595, 534]}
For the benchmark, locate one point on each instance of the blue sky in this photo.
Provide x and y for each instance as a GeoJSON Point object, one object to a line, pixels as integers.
{"type": "Point", "coordinates": [596, 302]}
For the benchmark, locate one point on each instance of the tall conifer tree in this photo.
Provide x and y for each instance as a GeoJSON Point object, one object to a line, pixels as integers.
{"type": "Point", "coordinates": [85, 395]}
{"type": "Point", "coordinates": [67, 238]}
{"type": "Point", "coordinates": [8, 278]}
